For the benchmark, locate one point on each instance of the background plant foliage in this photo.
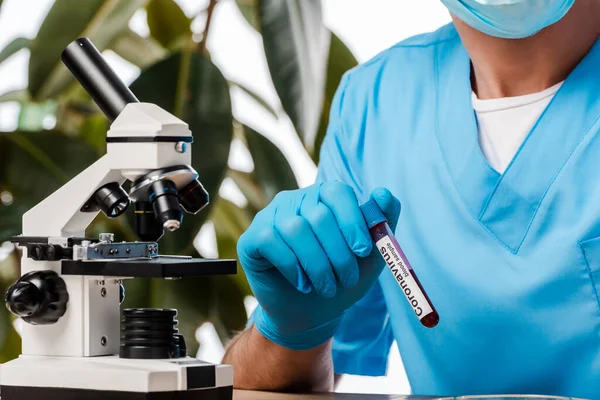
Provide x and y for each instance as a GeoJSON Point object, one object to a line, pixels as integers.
{"type": "Point", "coordinates": [306, 62]}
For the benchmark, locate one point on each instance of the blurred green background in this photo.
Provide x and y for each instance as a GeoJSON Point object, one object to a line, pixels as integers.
{"type": "Point", "coordinates": [306, 62]}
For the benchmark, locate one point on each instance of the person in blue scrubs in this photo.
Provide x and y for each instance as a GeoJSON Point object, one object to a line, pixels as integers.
{"type": "Point", "coordinates": [480, 142]}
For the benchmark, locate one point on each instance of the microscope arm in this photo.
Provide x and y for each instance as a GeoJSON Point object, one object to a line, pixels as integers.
{"type": "Point", "coordinates": [60, 214]}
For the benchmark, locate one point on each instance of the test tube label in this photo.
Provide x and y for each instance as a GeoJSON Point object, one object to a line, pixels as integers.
{"type": "Point", "coordinates": [402, 273]}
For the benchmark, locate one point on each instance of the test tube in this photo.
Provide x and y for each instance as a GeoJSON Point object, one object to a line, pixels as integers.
{"type": "Point", "coordinates": [396, 260]}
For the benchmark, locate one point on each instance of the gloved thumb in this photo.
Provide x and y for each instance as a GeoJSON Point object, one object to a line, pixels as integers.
{"type": "Point", "coordinates": [389, 204]}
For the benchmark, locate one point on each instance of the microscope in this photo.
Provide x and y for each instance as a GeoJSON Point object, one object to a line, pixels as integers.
{"type": "Point", "coordinates": [76, 342]}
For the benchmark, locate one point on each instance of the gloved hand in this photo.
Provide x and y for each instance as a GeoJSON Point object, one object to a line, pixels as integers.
{"type": "Point", "coordinates": [308, 257]}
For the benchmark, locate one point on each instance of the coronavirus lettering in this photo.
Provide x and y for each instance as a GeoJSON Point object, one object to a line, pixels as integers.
{"type": "Point", "coordinates": [402, 273]}
{"type": "Point", "coordinates": [401, 270]}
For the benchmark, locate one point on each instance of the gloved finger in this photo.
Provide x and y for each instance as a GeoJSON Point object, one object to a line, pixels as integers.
{"type": "Point", "coordinates": [262, 249]}
{"type": "Point", "coordinates": [297, 234]}
{"type": "Point", "coordinates": [325, 227]}
{"type": "Point", "coordinates": [389, 204]}
{"type": "Point", "coordinates": [342, 202]}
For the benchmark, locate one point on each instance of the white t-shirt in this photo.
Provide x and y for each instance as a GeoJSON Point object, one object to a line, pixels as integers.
{"type": "Point", "coordinates": [504, 123]}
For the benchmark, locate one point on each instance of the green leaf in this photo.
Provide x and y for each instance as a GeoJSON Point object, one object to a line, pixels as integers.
{"type": "Point", "coordinates": [32, 166]}
{"type": "Point", "coordinates": [296, 46]}
{"type": "Point", "coordinates": [167, 22]}
{"type": "Point", "coordinates": [11, 345]}
{"type": "Point", "coordinates": [340, 61]}
{"type": "Point", "coordinates": [193, 84]}
{"type": "Point", "coordinates": [191, 297]}
{"type": "Point", "coordinates": [256, 97]}
{"type": "Point", "coordinates": [32, 115]}
{"type": "Point", "coordinates": [14, 46]}
{"type": "Point", "coordinates": [11, 217]}
{"type": "Point", "coordinates": [71, 116]}
{"type": "Point", "coordinates": [226, 242]}
{"type": "Point", "coordinates": [228, 313]}
{"type": "Point", "coordinates": [10, 340]}
{"type": "Point", "coordinates": [271, 169]}
{"type": "Point", "coordinates": [20, 95]}
{"type": "Point", "coordinates": [246, 182]}
{"type": "Point", "coordinates": [138, 50]}
{"type": "Point", "coordinates": [230, 221]}
{"type": "Point", "coordinates": [217, 299]}
{"type": "Point", "coordinates": [35, 164]}
{"type": "Point", "coordinates": [249, 9]}
{"type": "Point", "coordinates": [99, 20]}
{"type": "Point", "coordinates": [93, 131]}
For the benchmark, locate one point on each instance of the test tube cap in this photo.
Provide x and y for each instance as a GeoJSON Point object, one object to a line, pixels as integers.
{"type": "Point", "coordinates": [372, 213]}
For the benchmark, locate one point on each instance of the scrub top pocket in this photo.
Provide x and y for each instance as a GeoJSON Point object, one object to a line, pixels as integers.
{"type": "Point", "coordinates": [591, 253]}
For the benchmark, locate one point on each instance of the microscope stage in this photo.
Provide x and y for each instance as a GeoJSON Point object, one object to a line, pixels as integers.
{"type": "Point", "coordinates": [159, 267]}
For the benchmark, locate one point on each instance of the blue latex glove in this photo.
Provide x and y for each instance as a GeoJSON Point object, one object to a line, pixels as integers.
{"type": "Point", "coordinates": [308, 257]}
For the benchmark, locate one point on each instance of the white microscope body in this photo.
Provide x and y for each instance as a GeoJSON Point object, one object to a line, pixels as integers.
{"type": "Point", "coordinates": [76, 355]}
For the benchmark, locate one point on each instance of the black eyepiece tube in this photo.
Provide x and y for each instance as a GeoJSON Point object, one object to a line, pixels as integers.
{"type": "Point", "coordinates": [93, 73]}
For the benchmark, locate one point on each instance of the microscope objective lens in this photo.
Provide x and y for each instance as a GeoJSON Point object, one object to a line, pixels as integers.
{"type": "Point", "coordinates": [165, 202]}
{"type": "Point", "coordinates": [147, 227]}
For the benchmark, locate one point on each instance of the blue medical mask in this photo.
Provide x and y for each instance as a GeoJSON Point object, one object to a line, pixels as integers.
{"type": "Point", "coordinates": [511, 19]}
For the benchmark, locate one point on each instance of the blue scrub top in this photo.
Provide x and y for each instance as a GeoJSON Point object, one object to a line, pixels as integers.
{"type": "Point", "coordinates": [511, 261]}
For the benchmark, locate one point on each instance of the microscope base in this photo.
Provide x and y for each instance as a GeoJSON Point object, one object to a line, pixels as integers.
{"type": "Point", "coordinates": [113, 378]}
{"type": "Point", "coordinates": [21, 393]}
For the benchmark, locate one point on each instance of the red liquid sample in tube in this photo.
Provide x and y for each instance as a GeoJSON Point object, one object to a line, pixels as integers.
{"type": "Point", "coordinates": [396, 260]}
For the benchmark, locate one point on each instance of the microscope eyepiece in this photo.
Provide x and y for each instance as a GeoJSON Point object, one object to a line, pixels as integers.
{"type": "Point", "coordinates": [95, 75]}
{"type": "Point", "coordinates": [112, 199]}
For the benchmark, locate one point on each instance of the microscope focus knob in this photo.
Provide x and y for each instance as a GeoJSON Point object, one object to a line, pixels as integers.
{"type": "Point", "coordinates": [39, 297]}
